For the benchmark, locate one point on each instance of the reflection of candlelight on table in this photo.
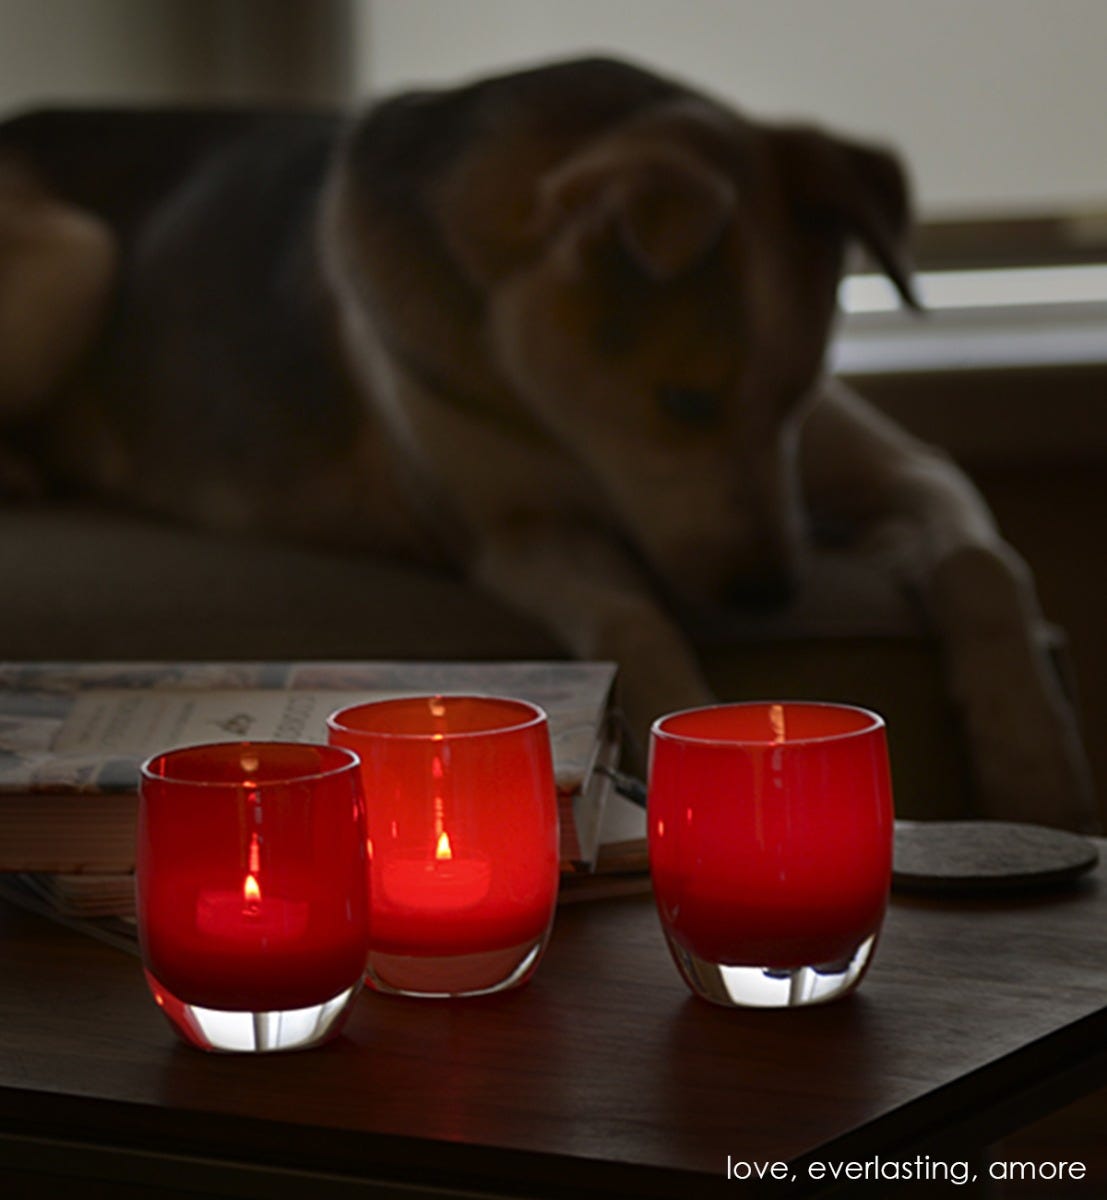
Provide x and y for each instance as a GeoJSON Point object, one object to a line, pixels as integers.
{"type": "Point", "coordinates": [441, 884]}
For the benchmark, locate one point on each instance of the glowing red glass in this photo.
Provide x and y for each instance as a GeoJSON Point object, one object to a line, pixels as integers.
{"type": "Point", "coordinates": [770, 835]}
{"type": "Point", "coordinates": [463, 839]}
{"type": "Point", "coordinates": [253, 916]}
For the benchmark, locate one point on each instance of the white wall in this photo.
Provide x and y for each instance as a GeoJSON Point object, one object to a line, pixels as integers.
{"type": "Point", "coordinates": [999, 105]}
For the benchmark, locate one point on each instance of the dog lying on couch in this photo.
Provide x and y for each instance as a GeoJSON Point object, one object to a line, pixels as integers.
{"type": "Point", "coordinates": [562, 329]}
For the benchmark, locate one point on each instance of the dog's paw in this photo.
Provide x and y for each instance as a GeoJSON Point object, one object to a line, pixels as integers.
{"type": "Point", "coordinates": [1030, 766]}
{"type": "Point", "coordinates": [1022, 730]}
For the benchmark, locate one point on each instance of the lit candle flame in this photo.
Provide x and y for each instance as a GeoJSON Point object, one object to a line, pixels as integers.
{"type": "Point", "coordinates": [443, 850]}
{"type": "Point", "coordinates": [251, 889]}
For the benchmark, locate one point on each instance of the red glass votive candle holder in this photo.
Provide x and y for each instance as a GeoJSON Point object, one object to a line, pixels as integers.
{"type": "Point", "coordinates": [251, 904]}
{"type": "Point", "coordinates": [770, 841]}
{"type": "Point", "coordinates": [463, 840]}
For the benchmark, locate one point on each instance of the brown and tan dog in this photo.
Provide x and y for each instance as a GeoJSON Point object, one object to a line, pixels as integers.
{"type": "Point", "coordinates": [564, 328]}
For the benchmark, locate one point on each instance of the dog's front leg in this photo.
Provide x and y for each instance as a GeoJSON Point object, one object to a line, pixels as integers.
{"type": "Point", "coordinates": [591, 597]}
{"type": "Point", "coordinates": [916, 509]}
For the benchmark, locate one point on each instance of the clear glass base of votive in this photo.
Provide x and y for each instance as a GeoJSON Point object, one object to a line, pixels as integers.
{"type": "Point", "coordinates": [236, 1032]}
{"type": "Point", "coordinates": [772, 987]}
{"type": "Point", "coordinates": [451, 976]}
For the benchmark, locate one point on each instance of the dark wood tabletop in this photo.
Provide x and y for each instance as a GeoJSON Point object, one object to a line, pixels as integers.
{"type": "Point", "coordinates": [603, 1076]}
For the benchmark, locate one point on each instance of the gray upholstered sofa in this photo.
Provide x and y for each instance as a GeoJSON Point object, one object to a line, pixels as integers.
{"type": "Point", "coordinates": [81, 582]}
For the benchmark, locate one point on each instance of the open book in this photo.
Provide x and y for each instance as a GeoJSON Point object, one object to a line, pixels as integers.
{"type": "Point", "coordinates": [72, 737]}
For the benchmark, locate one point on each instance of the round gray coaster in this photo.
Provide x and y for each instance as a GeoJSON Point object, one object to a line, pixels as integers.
{"type": "Point", "coordinates": [985, 856]}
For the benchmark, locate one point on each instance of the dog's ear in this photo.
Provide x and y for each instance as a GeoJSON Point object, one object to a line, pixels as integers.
{"type": "Point", "coordinates": [666, 207]}
{"type": "Point", "coordinates": [861, 189]}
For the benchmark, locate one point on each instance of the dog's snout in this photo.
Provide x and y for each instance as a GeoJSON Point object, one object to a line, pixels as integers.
{"type": "Point", "coordinates": [698, 408]}
{"type": "Point", "coordinates": [762, 592]}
